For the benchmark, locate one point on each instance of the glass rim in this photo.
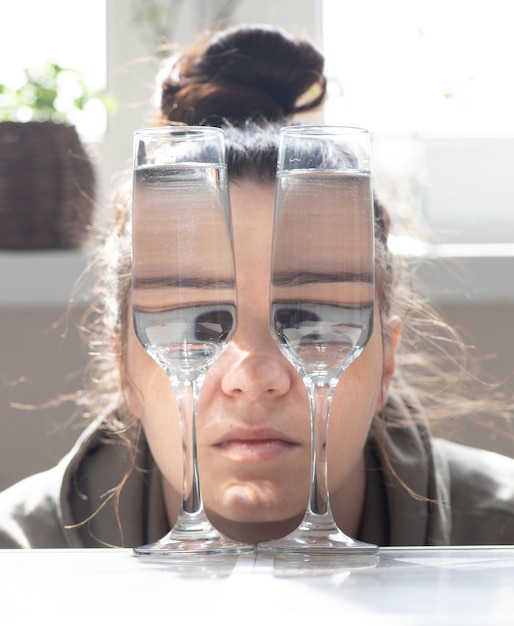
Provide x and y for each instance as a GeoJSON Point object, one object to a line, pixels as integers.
{"type": "Point", "coordinates": [179, 131]}
{"type": "Point", "coordinates": [319, 130]}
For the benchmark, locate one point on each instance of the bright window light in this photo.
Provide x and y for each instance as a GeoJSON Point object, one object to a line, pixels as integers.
{"type": "Point", "coordinates": [427, 66]}
{"type": "Point", "coordinates": [71, 34]}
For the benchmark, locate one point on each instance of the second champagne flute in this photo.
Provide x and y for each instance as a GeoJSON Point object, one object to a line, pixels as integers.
{"type": "Point", "coordinates": [184, 294]}
{"type": "Point", "coordinates": [322, 294]}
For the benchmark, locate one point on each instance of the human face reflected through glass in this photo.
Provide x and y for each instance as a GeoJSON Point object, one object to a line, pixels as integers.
{"type": "Point", "coordinates": [253, 421]}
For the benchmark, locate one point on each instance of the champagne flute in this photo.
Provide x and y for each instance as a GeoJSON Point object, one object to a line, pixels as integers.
{"type": "Point", "coordinates": [184, 293]}
{"type": "Point", "coordinates": [322, 294]}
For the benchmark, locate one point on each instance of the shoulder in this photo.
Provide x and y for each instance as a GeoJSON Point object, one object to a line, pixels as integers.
{"type": "Point", "coordinates": [29, 512]}
{"type": "Point", "coordinates": [484, 469]}
{"type": "Point", "coordinates": [35, 512]}
{"type": "Point", "coordinates": [480, 487]}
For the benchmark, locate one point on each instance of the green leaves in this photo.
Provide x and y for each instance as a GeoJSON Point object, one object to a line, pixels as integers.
{"type": "Point", "coordinates": [49, 93]}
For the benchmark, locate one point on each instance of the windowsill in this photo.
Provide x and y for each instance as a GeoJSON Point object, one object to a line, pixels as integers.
{"type": "Point", "coordinates": [461, 272]}
{"type": "Point", "coordinates": [39, 278]}
{"type": "Point", "coordinates": [447, 273]}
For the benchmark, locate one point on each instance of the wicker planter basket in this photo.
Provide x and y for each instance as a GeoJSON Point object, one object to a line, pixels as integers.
{"type": "Point", "coordinates": [47, 186]}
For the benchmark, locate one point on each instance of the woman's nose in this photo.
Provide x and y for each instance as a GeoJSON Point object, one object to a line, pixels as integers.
{"type": "Point", "coordinates": [257, 372]}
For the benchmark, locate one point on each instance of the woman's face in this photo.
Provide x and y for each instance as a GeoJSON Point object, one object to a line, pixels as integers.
{"type": "Point", "coordinates": [253, 429]}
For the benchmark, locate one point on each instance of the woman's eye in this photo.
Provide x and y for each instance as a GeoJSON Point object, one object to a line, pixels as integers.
{"type": "Point", "coordinates": [213, 326]}
{"type": "Point", "coordinates": [291, 317]}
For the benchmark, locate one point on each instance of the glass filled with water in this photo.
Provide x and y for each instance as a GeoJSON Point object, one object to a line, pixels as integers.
{"type": "Point", "coordinates": [184, 293]}
{"type": "Point", "coordinates": [322, 294]}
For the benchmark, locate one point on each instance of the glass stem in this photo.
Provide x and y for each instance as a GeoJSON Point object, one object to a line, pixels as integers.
{"type": "Point", "coordinates": [187, 392]}
{"type": "Point", "coordinates": [321, 392]}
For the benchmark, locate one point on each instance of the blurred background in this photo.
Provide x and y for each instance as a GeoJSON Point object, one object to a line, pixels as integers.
{"type": "Point", "coordinates": [429, 78]}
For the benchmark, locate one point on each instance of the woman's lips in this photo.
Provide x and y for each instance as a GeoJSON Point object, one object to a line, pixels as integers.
{"type": "Point", "coordinates": [254, 445]}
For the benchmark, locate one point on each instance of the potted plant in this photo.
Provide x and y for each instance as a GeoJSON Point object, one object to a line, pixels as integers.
{"type": "Point", "coordinates": [47, 178]}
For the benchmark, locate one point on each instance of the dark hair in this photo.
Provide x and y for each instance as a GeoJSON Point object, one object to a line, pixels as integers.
{"type": "Point", "coordinates": [244, 73]}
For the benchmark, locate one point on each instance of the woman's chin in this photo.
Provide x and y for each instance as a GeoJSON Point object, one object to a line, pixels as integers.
{"type": "Point", "coordinates": [253, 531]}
{"type": "Point", "coordinates": [254, 513]}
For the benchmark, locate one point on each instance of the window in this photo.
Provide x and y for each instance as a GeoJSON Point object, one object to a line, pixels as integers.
{"type": "Point", "coordinates": [431, 80]}
{"type": "Point", "coordinates": [71, 34]}
{"type": "Point", "coordinates": [429, 66]}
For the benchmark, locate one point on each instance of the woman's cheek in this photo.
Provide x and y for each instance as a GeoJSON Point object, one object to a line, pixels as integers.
{"type": "Point", "coordinates": [161, 424]}
{"type": "Point", "coordinates": [352, 411]}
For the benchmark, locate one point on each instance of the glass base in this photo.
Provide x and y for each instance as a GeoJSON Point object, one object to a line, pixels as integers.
{"type": "Point", "coordinates": [183, 544]}
{"type": "Point", "coordinates": [193, 535]}
{"type": "Point", "coordinates": [323, 546]}
{"type": "Point", "coordinates": [318, 535]}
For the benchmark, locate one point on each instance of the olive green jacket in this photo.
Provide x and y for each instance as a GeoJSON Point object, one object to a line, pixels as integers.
{"type": "Point", "coordinates": [419, 491]}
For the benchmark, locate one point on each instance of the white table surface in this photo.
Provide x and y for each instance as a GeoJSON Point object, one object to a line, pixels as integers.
{"type": "Point", "coordinates": [406, 586]}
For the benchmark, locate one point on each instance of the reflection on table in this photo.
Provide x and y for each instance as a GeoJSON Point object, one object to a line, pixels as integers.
{"type": "Point", "coordinates": [403, 586]}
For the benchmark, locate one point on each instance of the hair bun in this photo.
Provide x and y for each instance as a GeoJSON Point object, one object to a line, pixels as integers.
{"type": "Point", "coordinates": [244, 73]}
